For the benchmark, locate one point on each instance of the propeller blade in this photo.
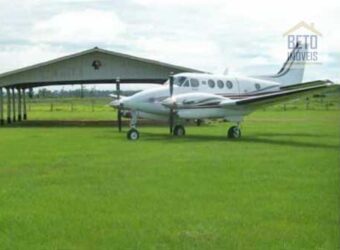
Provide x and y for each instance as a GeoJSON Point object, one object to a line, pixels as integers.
{"type": "Point", "coordinates": [119, 118]}
{"type": "Point", "coordinates": [171, 85]}
{"type": "Point", "coordinates": [171, 113]}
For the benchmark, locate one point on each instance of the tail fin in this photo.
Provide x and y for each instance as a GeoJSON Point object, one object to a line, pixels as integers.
{"type": "Point", "coordinates": [293, 69]}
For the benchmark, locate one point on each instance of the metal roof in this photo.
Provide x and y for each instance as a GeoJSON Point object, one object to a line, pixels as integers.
{"type": "Point", "coordinates": [128, 68]}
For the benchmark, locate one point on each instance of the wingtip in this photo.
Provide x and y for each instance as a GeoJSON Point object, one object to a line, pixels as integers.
{"type": "Point", "coordinates": [331, 82]}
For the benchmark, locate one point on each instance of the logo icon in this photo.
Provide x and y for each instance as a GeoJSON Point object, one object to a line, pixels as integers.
{"type": "Point", "coordinates": [96, 64]}
{"type": "Point", "coordinates": [308, 38]}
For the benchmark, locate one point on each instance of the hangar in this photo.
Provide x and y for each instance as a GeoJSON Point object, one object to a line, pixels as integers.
{"type": "Point", "coordinates": [93, 66]}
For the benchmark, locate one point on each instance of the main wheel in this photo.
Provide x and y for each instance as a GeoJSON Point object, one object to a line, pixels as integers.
{"type": "Point", "coordinates": [133, 134]}
{"type": "Point", "coordinates": [234, 132]}
{"type": "Point", "coordinates": [179, 130]}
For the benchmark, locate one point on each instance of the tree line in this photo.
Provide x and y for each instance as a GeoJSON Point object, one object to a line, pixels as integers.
{"type": "Point", "coordinates": [80, 93]}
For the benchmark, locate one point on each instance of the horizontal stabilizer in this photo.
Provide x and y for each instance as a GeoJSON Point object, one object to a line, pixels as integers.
{"type": "Point", "coordinates": [290, 93]}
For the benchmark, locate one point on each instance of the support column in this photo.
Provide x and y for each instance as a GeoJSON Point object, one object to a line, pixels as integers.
{"type": "Point", "coordinates": [24, 104]}
{"type": "Point", "coordinates": [19, 105]}
{"type": "Point", "coordinates": [2, 122]}
{"type": "Point", "coordinates": [119, 111]}
{"type": "Point", "coordinates": [8, 92]}
{"type": "Point", "coordinates": [13, 105]}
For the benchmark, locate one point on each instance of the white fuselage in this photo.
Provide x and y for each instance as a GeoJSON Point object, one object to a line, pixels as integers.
{"type": "Point", "coordinates": [149, 103]}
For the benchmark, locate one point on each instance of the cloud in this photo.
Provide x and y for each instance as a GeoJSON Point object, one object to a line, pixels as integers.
{"type": "Point", "coordinates": [177, 2]}
{"type": "Point", "coordinates": [179, 51]}
{"type": "Point", "coordinates": [85, 26]}
{"type": "Point", "coordinates": [13, 57]}
{"type": "Point", "coordinates": [244, 35]}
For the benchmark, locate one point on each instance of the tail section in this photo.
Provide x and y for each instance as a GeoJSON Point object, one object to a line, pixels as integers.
{"type": "Point", "coordinates": [293, 69]}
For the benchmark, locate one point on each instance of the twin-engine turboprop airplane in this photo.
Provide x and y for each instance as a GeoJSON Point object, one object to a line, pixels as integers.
{"type": "Point", "coordinates": [191, 96]}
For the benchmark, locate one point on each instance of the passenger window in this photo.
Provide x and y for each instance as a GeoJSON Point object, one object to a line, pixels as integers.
{"type": "Point", "coordinates": [257, 86]}
{"type": "Point", "coordinates": [220, 84]}
{"type": "Point", "coordinates": [194, 83]}
{"type": "Point", "coordinates": [211, 83]}
{"type": "Point", "coordinates": [229, 85]}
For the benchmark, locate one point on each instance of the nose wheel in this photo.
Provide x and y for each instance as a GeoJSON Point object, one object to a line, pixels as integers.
{"type": "Point", "coordinates": [133, 134]}
{"type": "Point", "coordinates": [234, 132]}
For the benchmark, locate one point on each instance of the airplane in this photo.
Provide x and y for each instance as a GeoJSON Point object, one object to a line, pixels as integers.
{"type": "Point", "coordinates": [196, 96]}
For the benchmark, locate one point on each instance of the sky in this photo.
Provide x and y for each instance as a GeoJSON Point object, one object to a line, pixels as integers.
{"type": "Point", "coordinates": [244, 36]}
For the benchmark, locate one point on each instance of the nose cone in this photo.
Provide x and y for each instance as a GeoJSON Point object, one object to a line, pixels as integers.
{"type": "Point", "coordinates": [127, 103]}
{"type": "Point", "coordinates": [121, 103]}
{"type": "Point", "coordinates": [115, 103]}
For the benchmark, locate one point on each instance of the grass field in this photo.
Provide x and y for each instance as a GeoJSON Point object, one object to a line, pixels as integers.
{"type": "Point", "coordinates": [278, 187]}
{"type": "Point", "coordinates": [98, 108]}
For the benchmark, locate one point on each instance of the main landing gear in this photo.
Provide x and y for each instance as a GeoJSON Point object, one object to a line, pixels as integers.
{"type": "Point", "coordinates": [179, 130]}
{"type": "Point", "coordinates": [234, 132]}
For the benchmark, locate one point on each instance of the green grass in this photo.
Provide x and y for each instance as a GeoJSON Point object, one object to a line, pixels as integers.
{"type": "Point", "coordinates": [89, 188]}
{"type": "Point", "coordinates": [98, 108]}
{"type": "Point", "coordinates": [71, 109]}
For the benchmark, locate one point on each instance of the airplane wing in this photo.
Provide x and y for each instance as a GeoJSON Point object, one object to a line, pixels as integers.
{"type": "Point", "coordinates": [287, 93]}
{"type": "Point", "coordinates": [206, 100]}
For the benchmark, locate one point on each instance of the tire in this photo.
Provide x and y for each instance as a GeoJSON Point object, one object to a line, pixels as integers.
{"type": "Point", "coordinates": [133, 134]}
{"type": "Point", "coordinates": [179, 130]}
{"type": "Point", "coordinates": [234, 132]}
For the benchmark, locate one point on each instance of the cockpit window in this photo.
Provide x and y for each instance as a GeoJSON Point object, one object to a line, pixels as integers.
{"type": "Point", "coordinates": [186, 83]}
{"type": "Point", "coordinates": [194, 83]}
{"type": "Point", "coordinates": [180, 80]}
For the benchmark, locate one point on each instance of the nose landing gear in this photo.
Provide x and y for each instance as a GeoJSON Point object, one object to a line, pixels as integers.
{"type": "Point", "coordinates": [133, 133]}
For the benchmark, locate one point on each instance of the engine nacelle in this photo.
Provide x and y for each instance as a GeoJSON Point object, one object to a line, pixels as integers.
{"type": "Point", "coordinates": [193, 100]}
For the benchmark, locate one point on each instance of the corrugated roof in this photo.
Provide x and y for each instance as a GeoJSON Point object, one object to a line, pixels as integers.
{"type": "Point", "coordinates": [96, 49]}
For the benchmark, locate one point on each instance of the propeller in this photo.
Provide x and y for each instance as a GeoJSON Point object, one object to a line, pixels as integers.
{"type": "Point", "coordinates": [171, 113]}
{"type": "Point", "coordinates": [119, 112]}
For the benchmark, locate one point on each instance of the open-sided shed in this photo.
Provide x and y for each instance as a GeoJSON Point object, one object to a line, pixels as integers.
{"type": "Point", "coordinates": [94, 66]}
